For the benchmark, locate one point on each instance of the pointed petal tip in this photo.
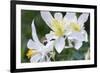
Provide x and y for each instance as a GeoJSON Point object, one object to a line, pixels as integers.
{"type": "Point", "coordinates": [58, 16]}
{"type": "Point", "coordinates": [47, 17]}
{"type": "Point", "coordinates": [78, 45]}
{"type": "Point", "coordinates": [32, 22]}
{"type": "Point", "coordinates": [60, 44]}
{"type": "Point", "coordinates": [83, 18]}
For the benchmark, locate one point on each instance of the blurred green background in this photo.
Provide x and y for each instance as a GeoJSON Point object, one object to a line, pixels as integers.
{"type": "Point", "coordinates": [67, 54]}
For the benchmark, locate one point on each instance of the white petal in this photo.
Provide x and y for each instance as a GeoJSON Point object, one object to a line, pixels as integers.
{"type": "Point", "coordinates": [67, 33]}
{"type": "Point", "coordinates": [34, 34]}
{"type": "Point", "coordinates": [83, 18]}
{"type": "Point", "coordinates": [76, 36]}
{"type": "Point", "coordinates": [42, 60]}
{"type": "Point", "coordinates": [47, 17]}
{"type": "Point", "coordinates": [34, 45]}
{"type": "Point", "coordinates": [58, 16]}
{"type": "Point", "coordinates": [71, 17]}
{"type": "Point", "coordinates": [45, 58]}
{"type": "Point", "coordinates": [35, 58]}
{"type": "Point", "coordinates": [49, 46]}
{"type": "Point", "coordinates": [78, 44]}
{"type": "Point", "coordinates": [85, 35]}
{"type": "Point", "coordinates": [50, 36]}
{"type": "Point", "coordinates": [59, 44]}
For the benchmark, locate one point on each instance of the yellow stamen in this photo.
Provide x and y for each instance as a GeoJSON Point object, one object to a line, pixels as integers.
{"type": "Point", "coordinates": [30, 53]}
{"type": "Point", "coordinates": [75, 27]}
{"type": "Point", "coordinates": [58, 27]}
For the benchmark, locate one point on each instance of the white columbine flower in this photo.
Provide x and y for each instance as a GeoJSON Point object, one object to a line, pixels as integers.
{"type": "Point", "coordinates": [76, 25]}
{"type": "Point", "coordinates": [59, 29]}
{"type": "Point", "coordinates": [38, 52]}
{"type": "Point", "coordinates": [66, 27]}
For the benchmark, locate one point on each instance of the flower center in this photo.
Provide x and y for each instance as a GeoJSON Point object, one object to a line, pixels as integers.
{"type": "Point", "coordinates": [58, 27]}
{"type": "Point", "coordinates": [75, 27]}
{"type": "Point", "coordinates": [30, 53]}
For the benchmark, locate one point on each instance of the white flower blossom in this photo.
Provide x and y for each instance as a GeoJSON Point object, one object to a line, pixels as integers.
{"type": "Point", "coordinates": [59, 29]}
{"type": "Point", "coordinates": [38, 52]}
{"type": "Point", "coordinates": [76, 25]}
{"type": "Point", "coordinates": [66, 27]}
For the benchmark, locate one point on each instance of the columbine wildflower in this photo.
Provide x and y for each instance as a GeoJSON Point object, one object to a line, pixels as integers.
{"type": "Point", "coordinates": [77, 30]}
{"type": "Point", "coordinates": [59, 29]}
{"type": "Point", "coordinates": [38, 52]}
